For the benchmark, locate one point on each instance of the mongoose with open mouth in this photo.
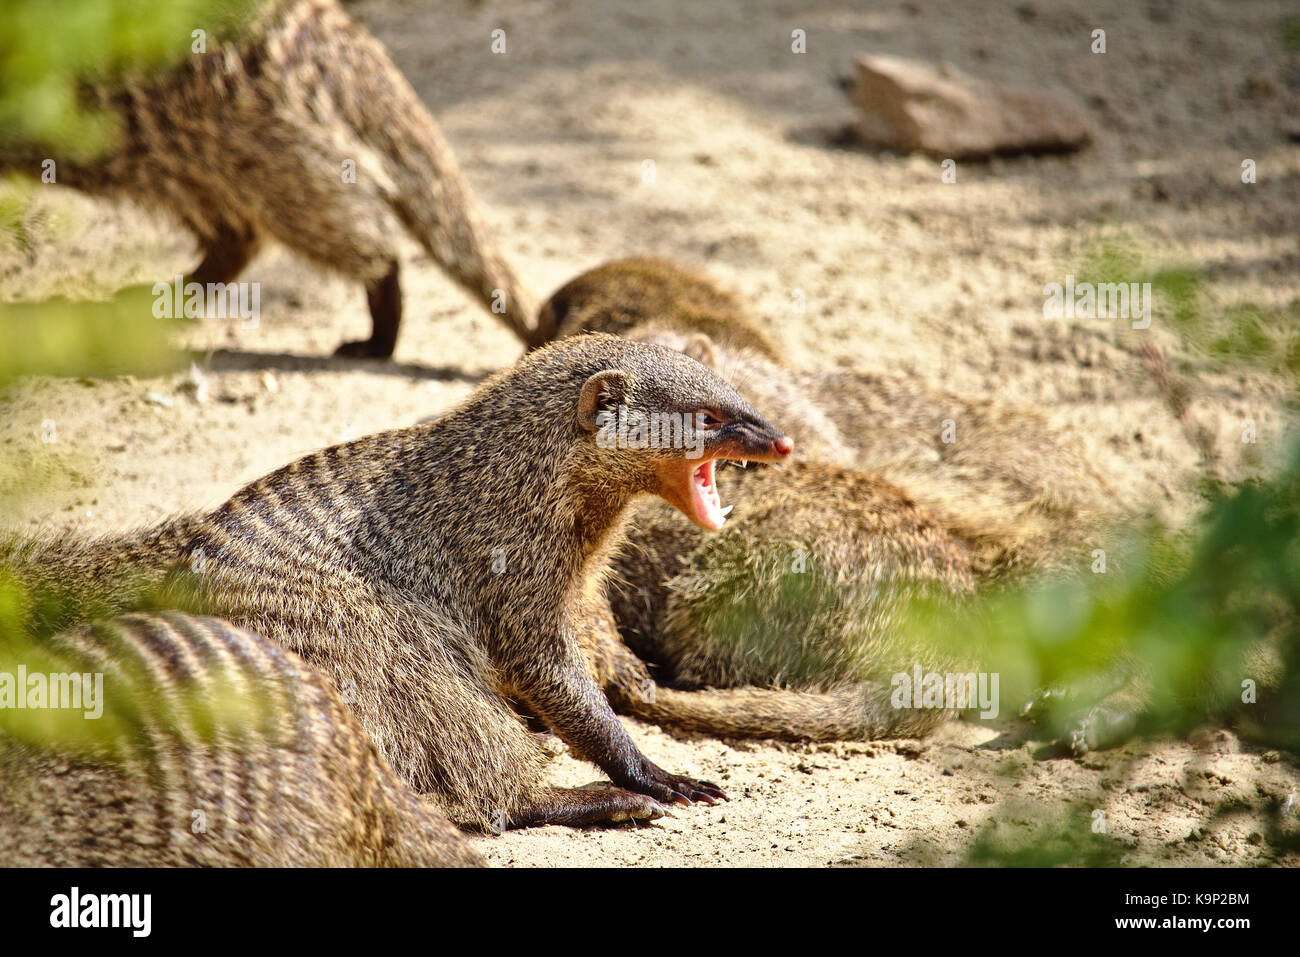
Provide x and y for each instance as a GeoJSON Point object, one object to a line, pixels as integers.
{"type": "Point", "coordinates": [301, 129]}
{"type": "Point", "coordinates": [789, 618]}
{"type": "Point", "coordinates": [205, 745]}
{"type": "Point", "coordinates": [434, 572]}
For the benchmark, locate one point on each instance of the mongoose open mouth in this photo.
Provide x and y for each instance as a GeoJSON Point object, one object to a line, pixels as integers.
{"type": "Point", "coordinates": [706, 504]}
{"type": "Point", "coordinates": [691, 484]}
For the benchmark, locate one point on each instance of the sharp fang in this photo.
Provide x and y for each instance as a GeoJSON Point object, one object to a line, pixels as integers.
{"type": "Point", "coordinates": [727, 511]}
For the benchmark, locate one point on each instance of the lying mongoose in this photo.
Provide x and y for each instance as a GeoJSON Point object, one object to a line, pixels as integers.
{"type": "Point", "coordinates": [641, 292]}
{"type": "Point", "coordinates": [212, 747]}
{"type": "Point", "coordinates": [301, 129]}
{"type": "Point", "coordinates": [791, 617]}
{"type": "Point", "coordinates": [433, 572]}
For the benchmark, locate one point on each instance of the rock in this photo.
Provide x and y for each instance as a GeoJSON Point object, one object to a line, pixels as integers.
{"type": "Point", "coordinates": [909, 106]}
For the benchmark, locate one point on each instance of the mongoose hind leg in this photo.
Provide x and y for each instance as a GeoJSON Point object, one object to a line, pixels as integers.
{"type": "Point", "coordinates": [384, 296]}
{"type": "Point", "coordinates": [581, 807]}
{"type": "Point", "coordinates": [226, 255]}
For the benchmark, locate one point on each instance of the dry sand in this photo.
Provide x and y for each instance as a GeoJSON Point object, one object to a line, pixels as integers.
{"type": "Point", "coordinates": [898, 271]}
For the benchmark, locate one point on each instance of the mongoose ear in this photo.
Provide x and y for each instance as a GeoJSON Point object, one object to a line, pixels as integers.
{"type": "Point", "coordinates": [603, 392]}
{"type": "Point", "coordinates": [700, 348]}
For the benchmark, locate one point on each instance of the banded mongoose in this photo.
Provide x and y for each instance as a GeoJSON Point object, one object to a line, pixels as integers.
{"type": "Point", "coordinates": [253, 138]}
{"type": "Point", "coordinates": [436, 572]}
{"type": "Point", "coordinates": [646, 292]}
{"type": "Point", "coordinates": [212, 747]}
{"type": "Point", "coordinates": [789, 622]}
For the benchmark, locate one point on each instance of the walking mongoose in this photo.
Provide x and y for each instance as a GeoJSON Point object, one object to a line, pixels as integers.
{"type": "Point", "coordinates": [301, 129]}
{"type": "Point", "coordinates": [213, 747]}
{"type": "Point", "coordinates": [434, 572]}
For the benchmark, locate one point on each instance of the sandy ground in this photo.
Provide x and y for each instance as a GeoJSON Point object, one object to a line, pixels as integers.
{"type": "Point", "coordinates": [898, 270]}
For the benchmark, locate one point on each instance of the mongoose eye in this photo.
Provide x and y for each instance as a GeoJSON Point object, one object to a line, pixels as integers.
{"type": "Point", "coordinates": [707, 420]}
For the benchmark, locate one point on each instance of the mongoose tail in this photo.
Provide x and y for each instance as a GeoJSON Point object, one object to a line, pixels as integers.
{"type": "Point", "coordinates": [432, 198]}
{"type": "Point", "coordinates": [212, 747]}
{"type": "Point", "coordinates": [857, 713]}
{"type": "Point", "coordinates": [854, 710]}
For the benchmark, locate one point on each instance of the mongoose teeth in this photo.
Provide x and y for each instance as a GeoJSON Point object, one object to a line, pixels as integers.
{"type": "Point", "coordinates": [727, 511]}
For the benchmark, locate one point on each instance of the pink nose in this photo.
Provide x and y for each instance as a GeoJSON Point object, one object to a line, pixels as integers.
{"type": "Point", "coordinates": [784, 445]}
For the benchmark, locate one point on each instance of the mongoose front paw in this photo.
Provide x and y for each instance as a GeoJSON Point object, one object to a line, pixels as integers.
{"type": "Point", "coordinates": [677, 789]}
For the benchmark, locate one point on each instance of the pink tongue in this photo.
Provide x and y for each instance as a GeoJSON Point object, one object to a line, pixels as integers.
{"type": "Point", "coordinates": [704, 497]}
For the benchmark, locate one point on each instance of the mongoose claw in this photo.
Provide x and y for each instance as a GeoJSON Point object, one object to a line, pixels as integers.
{"type": "Point", "coordinates": [677, 789]}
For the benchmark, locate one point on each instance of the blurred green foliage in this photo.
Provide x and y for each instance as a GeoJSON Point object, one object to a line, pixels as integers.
{"type": "Point", "coordinates": [135, 708]}
{"type": "Point", "coordinates": [48, 49]}
{"type": "Point", "coordinates": [15, 201]}
{"type": "Point", "coordinates": [1204, 624]}
{"type": "Point", "coordinates": [1062, 838]}
{"type": "Point", "coordinates": [65, 338]}
{"type": "Point", "coordinates": [1290, 30]}
{"type": "Point", "coordinates": [1194, 616]}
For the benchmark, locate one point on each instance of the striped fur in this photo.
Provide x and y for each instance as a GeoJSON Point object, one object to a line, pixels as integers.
{"type": "Point", "coordinates": [216, 748]}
